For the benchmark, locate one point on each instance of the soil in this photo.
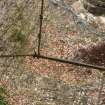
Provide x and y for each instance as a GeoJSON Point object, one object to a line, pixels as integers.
{"type": "Point", "coordinates": [32, 81]}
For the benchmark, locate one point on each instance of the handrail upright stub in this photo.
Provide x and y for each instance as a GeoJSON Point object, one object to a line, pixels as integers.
{"type": "Point", "coordinates": [40, 26]}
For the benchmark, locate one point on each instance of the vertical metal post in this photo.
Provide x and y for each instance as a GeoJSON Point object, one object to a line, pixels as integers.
{"type": "Point", "coordinates": [40, 27]}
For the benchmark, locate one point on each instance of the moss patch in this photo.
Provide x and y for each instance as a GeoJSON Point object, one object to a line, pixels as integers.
{"type": "Point", "coordinates": [2, 96]}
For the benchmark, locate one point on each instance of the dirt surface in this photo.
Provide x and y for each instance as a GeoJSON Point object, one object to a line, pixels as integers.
{"type": "Point", "coordinates": [32, 81]}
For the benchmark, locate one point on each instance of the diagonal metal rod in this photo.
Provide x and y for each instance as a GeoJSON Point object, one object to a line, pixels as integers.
{"type": "Point", "coordinates": [57, 60]}
{"type": "Point", "coordinates": [40, 27]}
{"type": "Point", "coordinates": [72, 62]}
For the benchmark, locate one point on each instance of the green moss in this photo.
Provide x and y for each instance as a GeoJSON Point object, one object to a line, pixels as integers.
{"type": "Point", "coordinates": [20, 36]}
{"type": "Point", "coordinates": [2, 90]}
{"type": "Point", "coordinates": [2, 98]}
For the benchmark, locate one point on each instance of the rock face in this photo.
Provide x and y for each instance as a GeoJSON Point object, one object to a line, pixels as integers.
{"type": "Point", "coordinates": [88, 14]}
{"type": "Point", "coordinates": [96, 7]}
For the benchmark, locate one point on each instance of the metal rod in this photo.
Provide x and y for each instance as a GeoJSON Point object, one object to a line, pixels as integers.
{"type": "Point", "coordinates": [101, 68]}
{"type": "Point", "coordinates": [40, 27]}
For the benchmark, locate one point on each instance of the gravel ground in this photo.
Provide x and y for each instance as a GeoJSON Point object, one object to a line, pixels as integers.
{"type": "Point", "coordinates": [31, 81]}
